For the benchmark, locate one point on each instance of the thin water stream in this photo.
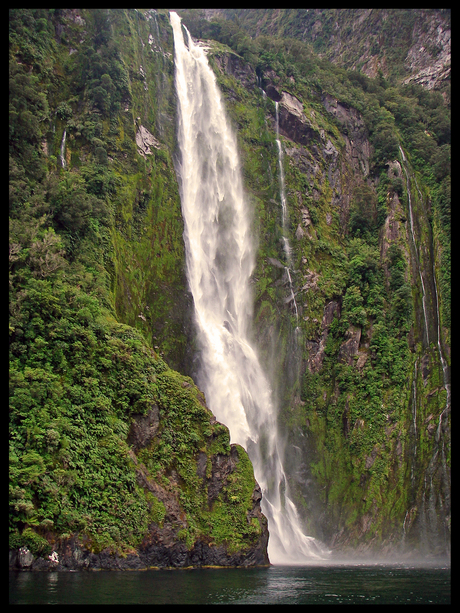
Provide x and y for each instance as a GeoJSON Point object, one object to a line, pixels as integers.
{"type": "Point", "coordinates": [417, 259]}
{"type": "Point", "coordinates": [429, 510]}
{"type": "Point", "coordinates": [62, 150]}
{"type": "Point", "coordinates": [284, 215]}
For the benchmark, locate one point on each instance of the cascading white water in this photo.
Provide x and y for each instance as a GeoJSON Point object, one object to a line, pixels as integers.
{"type": "Point", "coordinates": [438, 327]}
{"type": "Point", "coordinates": [282, 186]}
{"type": "Point", "coordinates": [220, 259]}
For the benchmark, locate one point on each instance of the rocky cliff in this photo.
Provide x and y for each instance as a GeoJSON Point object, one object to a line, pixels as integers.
{"type": "Point", "coordinates": [404, 45]}
{"type": "Point", "coordinates": [351, 401]}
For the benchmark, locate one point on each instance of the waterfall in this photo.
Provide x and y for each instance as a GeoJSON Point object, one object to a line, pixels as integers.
{"type": "Point", "coordinates": [445, 371]}
{"type": "Point", "coordinates": [414, 416]}
{"type": "Point", "coordinates": [429, 522]}
{"type": "Point", "coordinates": [284, 215]}
{"type": "Point", "coordinates": [438, 326]}
{"type": "Point", "coordinates": [411, 220]}
{"type": "Point", "coordinates": [282, 187]}
{"type": "Point", "coordinates": [220, 259]}
{"type": "Point", "coordinates": [62, 154]}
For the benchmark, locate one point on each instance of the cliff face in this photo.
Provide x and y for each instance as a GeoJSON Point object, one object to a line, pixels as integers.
{"type": "Point", "coordinates": [405, 45]}
{"type": "Point", "coordinates": [126, 466]}
{"type": "Point", "coordinates": [346, 347]}
{"type": "Point", "coordinates": [356, 341]}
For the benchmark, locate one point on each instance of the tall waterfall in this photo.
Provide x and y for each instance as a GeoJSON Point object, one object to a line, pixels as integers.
{"type": "Point", "coordinates": [220, 259]}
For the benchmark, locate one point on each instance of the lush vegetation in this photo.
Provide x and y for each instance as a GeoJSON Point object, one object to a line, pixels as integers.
{"type": "Point", "coordinates": [98, 296]}
{"type": "Point", "coordinates": [352, 417]}
{"type": "Point", "coordinates": [96, 272]}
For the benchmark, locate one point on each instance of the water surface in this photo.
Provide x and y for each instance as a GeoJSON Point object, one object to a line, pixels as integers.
{"type": "Point", "coordinates": [340, 584]}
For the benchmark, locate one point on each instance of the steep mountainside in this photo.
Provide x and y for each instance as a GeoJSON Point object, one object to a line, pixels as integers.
{"type": "Point", "coordinates": [403, 44]}
{"type": "Point", "coordinates": [115, 460]}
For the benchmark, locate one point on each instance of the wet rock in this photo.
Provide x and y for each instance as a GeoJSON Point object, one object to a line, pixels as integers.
{"type": "Point", "coordinates": [293, 122]}
{"type": "Point", "coordinates": [317, 349]}
{"type": "Point", "coordinates": [350, 347]}
{"type": "Point", "coordinates": [371, 458]}
{"type": "Point", "coordinates": [357, 147]}
{"type": "Point", "coordinates": [24, 558]}
{"type": "Point", "coordinates": [272, 92]}
{"type": "Point", "coordinates": [235, 66]}
{"type": "Point", "coordinates": [275, 263]}
{"type": "Point", "coordinates": [331, 310]}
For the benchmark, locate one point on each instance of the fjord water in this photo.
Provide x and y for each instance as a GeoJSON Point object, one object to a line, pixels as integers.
{"type": "Point", "coordinates": [220, 259]}
{"type": "Point", "coordinates": [340, 584]}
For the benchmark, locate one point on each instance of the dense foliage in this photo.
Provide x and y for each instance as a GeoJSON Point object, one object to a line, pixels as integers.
{"type": "Point", "coordinates": [95, 240]}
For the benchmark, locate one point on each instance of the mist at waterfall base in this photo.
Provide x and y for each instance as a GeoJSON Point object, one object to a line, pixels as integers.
{"type": "Point", "coordinates": [220, 259]}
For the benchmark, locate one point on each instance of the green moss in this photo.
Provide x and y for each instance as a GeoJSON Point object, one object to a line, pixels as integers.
{"type": "Point", "coordinates": [157, 510]}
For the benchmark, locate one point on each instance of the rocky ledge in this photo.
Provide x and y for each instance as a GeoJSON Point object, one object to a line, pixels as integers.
{"type": "Point", "coordinates": [72, 554]}
{"type": "Point", "coordinates": [225, 529]}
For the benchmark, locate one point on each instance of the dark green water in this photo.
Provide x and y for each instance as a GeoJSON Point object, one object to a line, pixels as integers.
{"type": "Point", "coordinates": [341, 584]}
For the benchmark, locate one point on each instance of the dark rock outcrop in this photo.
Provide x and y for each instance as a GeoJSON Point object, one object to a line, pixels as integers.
{"type": "Point", "coordinates": [235, 66]}
{"type": "Point", "coordinates": [293, 123]}
{"type": "Point", "coordinates": [165, 544]}
{"type": "Point", "coordinates": [73, 555]}
{"type": "Point", "coordinates": [144, 428]}
{"type": "Point", "coordinates": [350, 347]}
{"type": "Point", "coordinates": [357, 147]}
{"type": "Point", "coordinates": [316, 349]}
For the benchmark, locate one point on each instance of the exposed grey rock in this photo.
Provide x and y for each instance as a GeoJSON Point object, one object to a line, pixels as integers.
{"type": "Point", "coordinates": [317, 349]}
{"type": "Point", "coordinates": [350, 347]}
{"type": "Point", "coordinates": [427, 70]}
{"type": "Point", "coordinates": [357, 146]}
{"type": "Point", "coordinates": [234, 65]}
{"type": "Point", "coordinates": [275, 263]}
{"type": "Point", "coordinates": [25, 558]}
{"type": "Point", "coordinates": [293, 122]}
{"type": "Point", "coordinates": [145, 141]}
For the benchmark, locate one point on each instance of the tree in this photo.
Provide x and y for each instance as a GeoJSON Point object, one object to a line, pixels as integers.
{"type": "Point", "coordinates": [363, 210]}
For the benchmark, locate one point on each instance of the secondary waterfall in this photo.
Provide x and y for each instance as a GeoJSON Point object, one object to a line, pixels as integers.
{"type": "Point", "coordinates": [220, 259]}
{"type": "Point", "coordinates": [429, 511]}
{"type": "Point", "coordinates": [411, 220]}
{"type": "Point", "coordinates": [284, 216]}
{"type": "Point", "coordinates": [438, 316]}
{"type": "Point", "coordinates": [62, 151]}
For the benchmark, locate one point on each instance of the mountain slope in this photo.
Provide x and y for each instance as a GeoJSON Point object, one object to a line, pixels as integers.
{"type": "Point", "coordinates": [365, 423]}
